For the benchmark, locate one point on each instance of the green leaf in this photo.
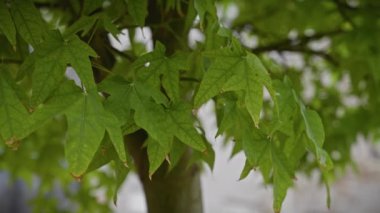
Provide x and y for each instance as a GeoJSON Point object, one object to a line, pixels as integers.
{"type": "Point", "coordinates": [153, 118]}
{"type": "Point", "coordinates": [90, 6]}
{"type": "Point", "coordinates": [266, 164]}
{"type": "Point", "coordinates": [255, 146]}
{"type": "Point", "coordinates": [66, 95]}
{"type": "Point", "coordinates": [155, 66]}
{"type": "Point", "coordinates": [85, 133]}
{"type": "Point", "coordinates": [83, 24]}
{"type": "Point", "coordinates": [316, 134]}
{"type": "Point", "coordinates": [138, 11]}
{"type": "Point", "coordinates": [14, 118]}
{"type": "Point", "coordinates": [234, 69]}
{"type": "Point", "coordinates": [182, 124]}
{"type": "Point", "coordinates": [284, 121]}
{"type": "Point", "coordinates": [262, 152]}
{"type": "Point", "coordinates": [113, 128]}
{"type": "Point", "coordinates": [204, 8]}
{"type": "Point", "coordinates": [87, 123]}
{"type": "Point", "coordinates": [26, 67]}
{"type": "Point", "coordinates": [28, 21]}
{"type": "Point", "coordinates": [51, 59]}
{"type": "Point", "coordinates": [246, 170]}
{"type": "Point", "coordinates": [176, 153]}
{"type": "Point", "coordinates": [147, 91]}
{"type": "Point", "coordinates": [50, 66]}
{"type": "Point", "coordinates": [125, 97]}
{"type": "Point", "coordinates": [6, 23]}
{"type": "Point", "coordinates": [105, 153]}
{"type": "Point", "coordinates": [77, 55]}
{"type": "Point", "coordinates": [207, 156]}
{"type": "Point", "coordinates": [118, 111]}
{"type": "Point", "coordinates": [121, 173]}
{"type": "Point", "coordinates": [282, 177]}
{"type": "Point", "coordinates": [118, 102]}
{"type": "Point", "coordinates": [226, 62]}
{"type": "Point", "coordinates": [256, 77]}
{"type": "Point", "coordinates": [110, 26]}
{"type": "Point", "coordinates": [294, 149]}
{"type": "Point", "coordinates": [163, 124]}
{"type": "Point", "coordinates": [157, 153]}
{"type": "Point", "coordinates": [230, 122]}
{"type": "Point", "coordinates": [314, 126]}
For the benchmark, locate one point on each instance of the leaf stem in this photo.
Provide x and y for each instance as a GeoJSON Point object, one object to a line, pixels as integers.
{"type": "Point", "coordinates": [10, 61]}
{"type": "Point", "coordinates": [191, 79]}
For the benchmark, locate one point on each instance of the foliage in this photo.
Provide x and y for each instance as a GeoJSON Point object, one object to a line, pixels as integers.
{"type": "Point", "coordinates": [118, 92]}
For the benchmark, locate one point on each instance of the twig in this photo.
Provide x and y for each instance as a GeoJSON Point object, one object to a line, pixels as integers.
{"type": "Point", "coordinates": [190, 79]}
{"type": "Point", "coordinates": [10, 61]}
{"type": "Point", "coordinates": [301, 40]}
{"type": "Point", "coordinates": [341, 7]}
{"type": "Point", "coordinates": [101, 67]}
{"type": "Point", "coordinates": [322, 54]}
{"type": "Point", "coordinates": [299, 45]}
{"type": "Point", "coordinates": [120, 53]}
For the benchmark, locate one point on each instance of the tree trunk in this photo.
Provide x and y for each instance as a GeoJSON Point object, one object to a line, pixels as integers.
{"type": "Point", "coordinates": [167, 191]}
{"type": "Point", "coordinates": [175, 191]}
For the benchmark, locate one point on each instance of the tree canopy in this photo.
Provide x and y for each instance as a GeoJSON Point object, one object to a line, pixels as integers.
{"type": "Point", "coordinates": [293, 82]}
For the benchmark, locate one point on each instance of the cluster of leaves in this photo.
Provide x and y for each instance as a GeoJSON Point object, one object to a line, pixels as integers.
{"type": "Point", "coordinates": [338, 42]}
{"type": "Point", "coordinates": [159, 91]}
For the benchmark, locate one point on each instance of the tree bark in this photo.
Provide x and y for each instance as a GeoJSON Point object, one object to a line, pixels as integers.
{"type": "Point", "coordinates": [168, 191]}
{"type": "Point", "coordinates": [175, 191]}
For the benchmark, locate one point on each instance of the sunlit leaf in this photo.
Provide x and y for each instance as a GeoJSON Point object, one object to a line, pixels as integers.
{"type": "Point", "coordinates": [234, 69]}
{"type": "Point", "coordinates": [85, 133]}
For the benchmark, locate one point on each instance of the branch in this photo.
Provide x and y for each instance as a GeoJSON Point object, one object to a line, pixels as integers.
{"type": "Point", "coordinates": [120, 53]}
{"type": "Point", "coordinates": [59, 5]}
{"type": "Point", "coordinates": [342, 7]}
{"type": "Point", "coordinates": [322, 54]}
{"type": "Point", "coordinates": [56, 5]}
{"type": "Point", "coordinates": [301, 40]}
{"type": "Point", "coordinates": [191, 79]}
{"type": "Point", "coordinates": [10, 61]}
{"type": "Point", "coordinates": [299, 45]}
{"type": "Point", "coordinates": [101, 67]}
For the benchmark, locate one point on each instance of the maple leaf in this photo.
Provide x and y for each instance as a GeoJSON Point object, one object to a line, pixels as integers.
{"type": "Point", "coordinates": [28, 21]}
{"type": "Point", "coordinates": [155, 68]}
{"type": "Point", "coordinates": [87, 123]}
{"type": "Point", "coordinates": [138, 11]}
{"type": "Point", "coordinates": [234, 69]}
{"type": "Point", "coordinates": [14, 118]}
{"type": "Point", "coordinates": [157, 153]}
{"type": "Point", "coordinates": [6, 24]}
{"type": "Point", "coordinates": [51, 60]}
